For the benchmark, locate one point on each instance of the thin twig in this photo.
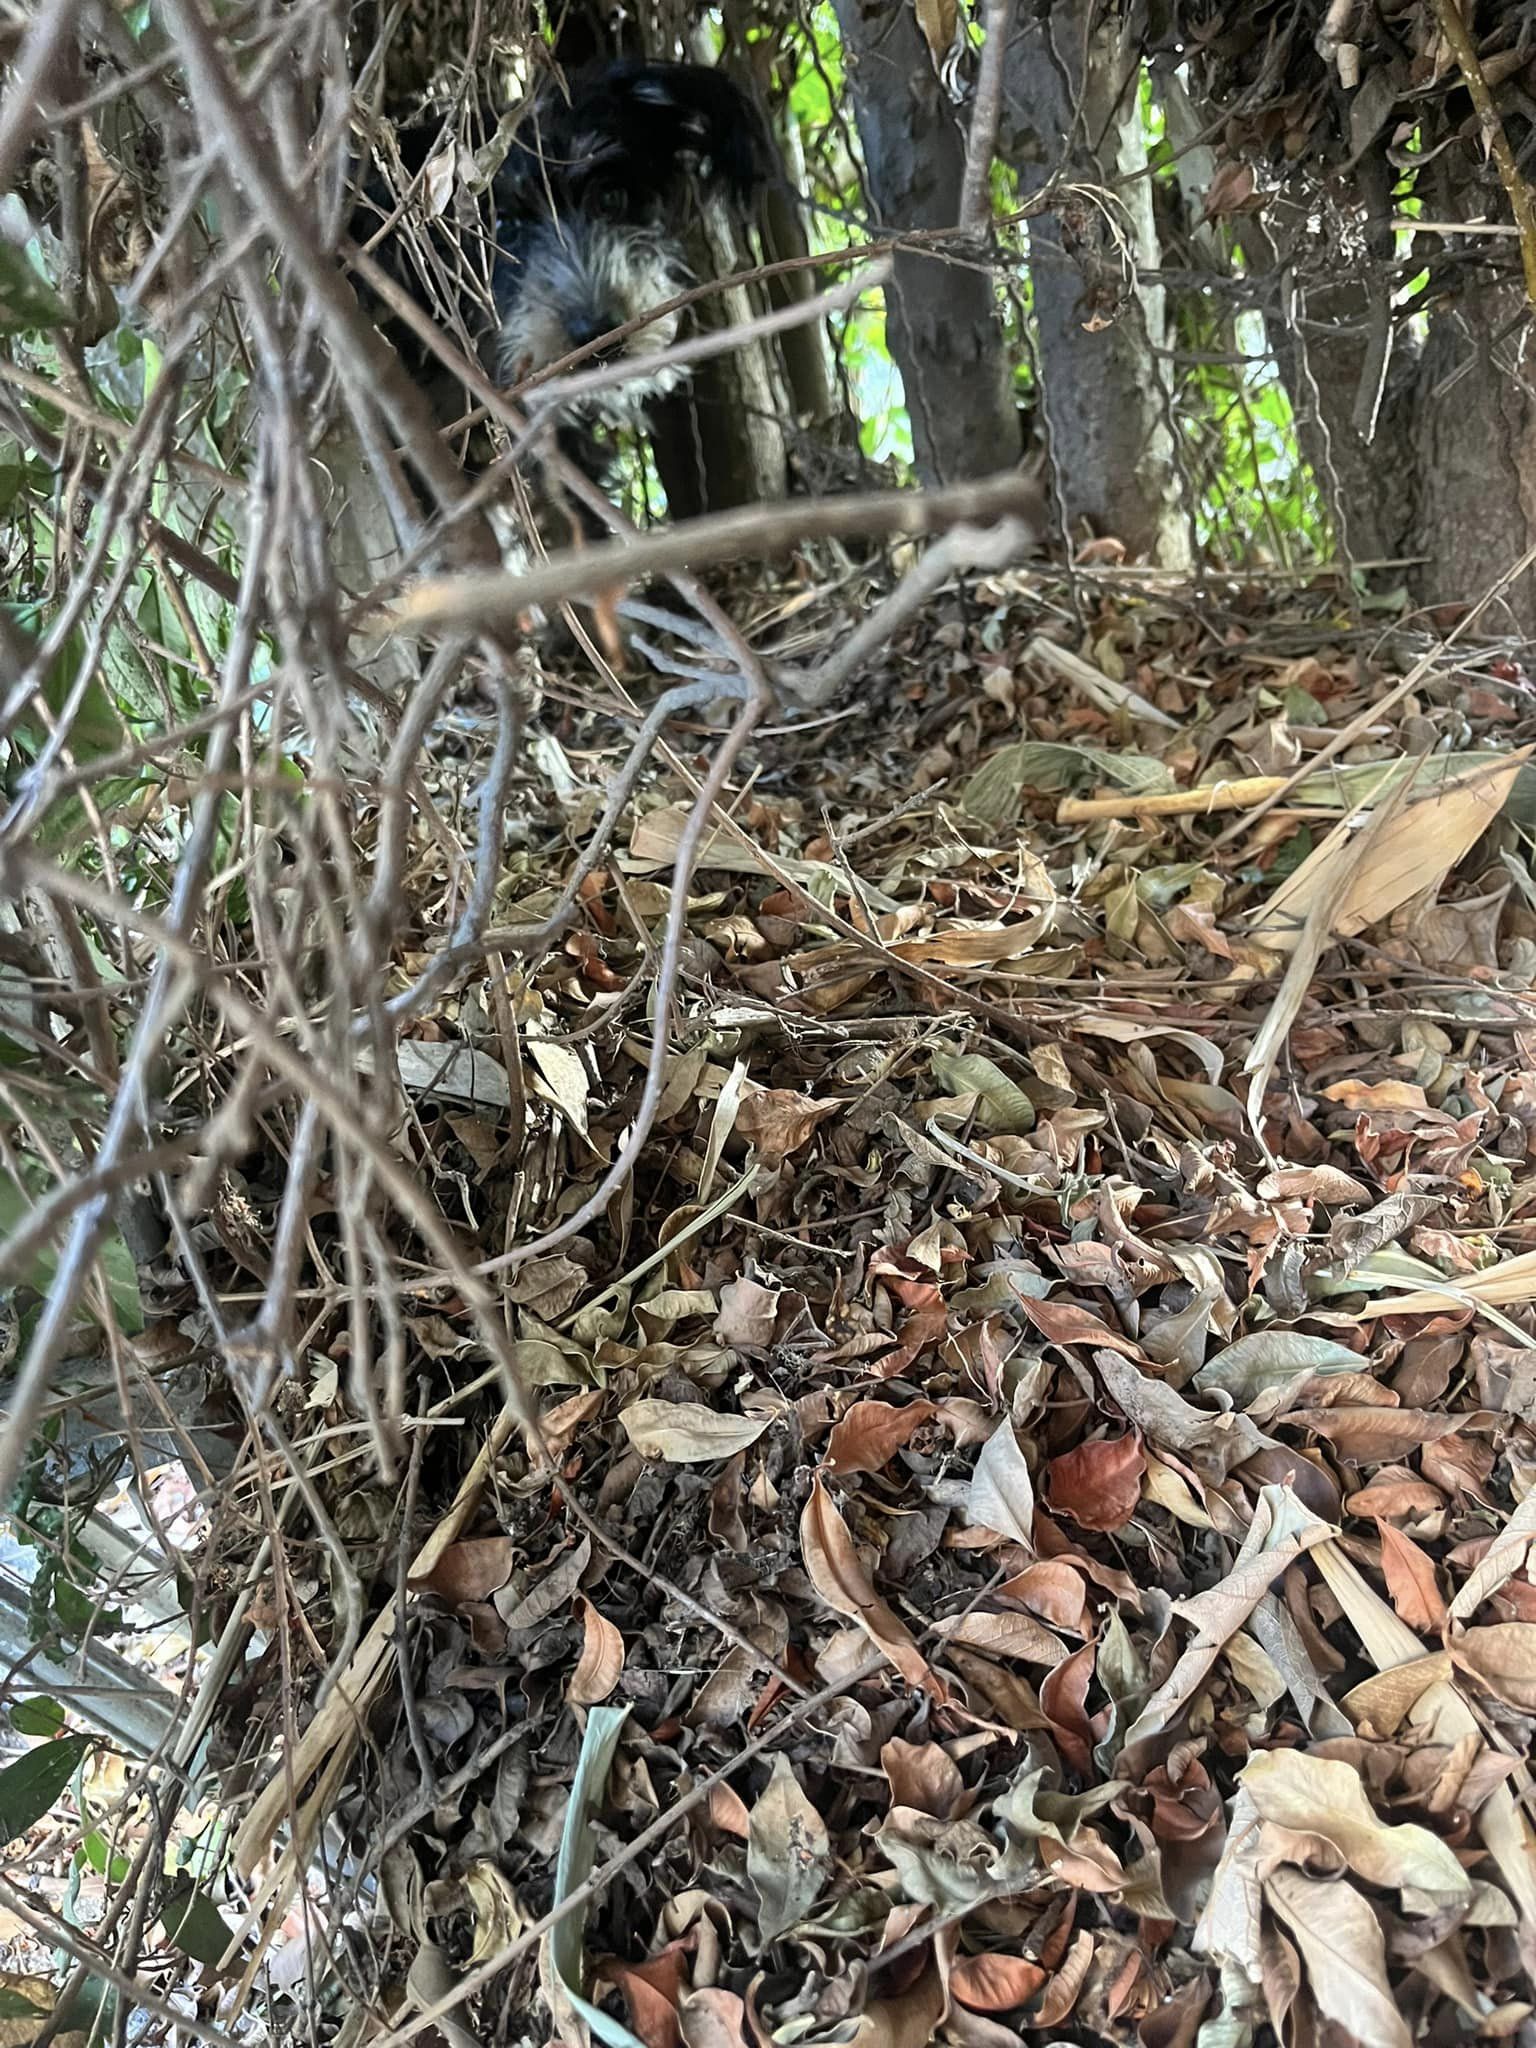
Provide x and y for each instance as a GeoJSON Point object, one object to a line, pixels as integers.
{"type": "Point", "coordinates": [1454, 28]}
{"type": "Point", "coordinates": [986, 114]}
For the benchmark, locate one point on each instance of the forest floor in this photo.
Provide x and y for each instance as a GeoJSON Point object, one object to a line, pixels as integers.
{"type": "Point", "coordinates": [1040, 1543]}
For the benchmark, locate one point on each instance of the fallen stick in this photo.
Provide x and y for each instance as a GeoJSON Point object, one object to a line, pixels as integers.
{"type": "Point", "coordinates": [489, 598]}
{"type": "Point", "coordinates": [1236, 793]}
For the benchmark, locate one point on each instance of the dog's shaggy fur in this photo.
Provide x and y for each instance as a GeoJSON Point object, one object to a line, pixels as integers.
{"type": "Point", "coordinates": [591, 210]}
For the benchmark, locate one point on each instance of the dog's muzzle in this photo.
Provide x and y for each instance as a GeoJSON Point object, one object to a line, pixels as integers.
{"type": "Point", "coordinates": [564, 284]}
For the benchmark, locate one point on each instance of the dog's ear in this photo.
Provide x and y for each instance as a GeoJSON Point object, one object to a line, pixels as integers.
{"type": "Point", "coordinates": [692, 110]}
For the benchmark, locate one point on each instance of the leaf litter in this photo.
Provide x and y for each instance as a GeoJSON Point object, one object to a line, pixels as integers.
{"type": "Point", "coordinates": [1040, 1542]}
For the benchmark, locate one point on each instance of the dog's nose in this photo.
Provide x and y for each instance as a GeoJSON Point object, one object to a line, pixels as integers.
{"type": "Point", "coordinates": [586, 327]}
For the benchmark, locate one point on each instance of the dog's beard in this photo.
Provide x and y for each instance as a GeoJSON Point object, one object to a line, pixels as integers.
{"type": "Point", "coordinates": [575, 270]}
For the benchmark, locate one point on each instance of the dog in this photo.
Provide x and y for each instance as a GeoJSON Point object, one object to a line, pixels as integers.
{"type": "Point", "coordinates": [587, 220]}
{"type": "Point", "coordinates": [592, 203]}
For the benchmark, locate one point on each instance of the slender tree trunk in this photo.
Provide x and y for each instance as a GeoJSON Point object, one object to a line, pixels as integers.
{"type": "Point", "coordinates": [1072, 99]}
{"type": "Point", "coordinates": [942, 320]}
{"type": "Point", "coordinates": [720, 441]}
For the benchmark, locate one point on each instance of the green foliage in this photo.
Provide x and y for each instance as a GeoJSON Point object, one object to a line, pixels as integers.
{"type": "Point", "coordinates": [29, 1786]}
{"type": "Point", "coordinates": [194, 1924]}
{"type": "Point", "coordinates": [114, 1259]}
{"type": "Point", "coordinates": [53, 1502]}
{"type": "Point", "coordinates": [28, 302]}
{"type": "Point", "coordinates": [40, 1717]}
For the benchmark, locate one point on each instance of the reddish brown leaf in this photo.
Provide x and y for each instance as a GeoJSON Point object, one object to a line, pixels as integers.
{"type": "Point", "coordinates": [779, 1121]}
{"type": "Point", "coordinates": [651, 1991]}
{"type": "Point", "coordinates": [871, 1433]}
{"type": "Point", "coordinates": [1063, 1322]}
{"type": "Point", "coordinates": [1411, 1582]}
{"type": "Point", "coordinates": [1062, 1697]}
{"type": "Point", "coordinates": [994, 1983]}
{"type": "Point", "coordinates": [601, 1662]}
{"type": "Point", "coordinates": [1395, 1497]}
{"type": "Point", "coordinates": [923, 1776]}
{"type": "Point", "coordinates": [1065, 1988]}
{"type": "Point", "coordinates": [1098, 1484]}
{"type": "Point", "coordinates": [1087, 1862]}
{"type": "Point", "coordinates": [1053, 1590]}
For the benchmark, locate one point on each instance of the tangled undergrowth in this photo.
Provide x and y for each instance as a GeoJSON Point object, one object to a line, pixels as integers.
{"type": "Point", "coordinates": [1028, 1530]}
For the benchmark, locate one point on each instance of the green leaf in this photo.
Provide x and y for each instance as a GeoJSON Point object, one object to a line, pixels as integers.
{"type": "Point", "coordinates": [573, 1866]}
{"type": "Point", "coordinates": [42, 1716]}
{"type": "Point", "coordinates": [196, 1926]}
{"type": "Point", "coordinates": [996, 790]}
{"type": "Point", "coordinates": [96, 1851]}
{"type": "Point", "coordinates": [27, 300]}
{"type": "Point", "coordinates": [122, 1275]}
{"type": "Point", "coordinates": [79, 1615]}
{"type": "Point", "coordinates": [17, 2005]}
{"type": "Point", "coordinates": [1272, 1358]}
{"type": "Point", "coordinates": [1002, 1107]}
{"type": "Point", "coordinates": [29, 1786]}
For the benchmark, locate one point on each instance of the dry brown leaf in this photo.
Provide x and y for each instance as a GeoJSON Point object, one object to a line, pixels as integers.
{"type": "Point", "coordinates": [1414, 852]}
{"type": "Point", "coordinates": [1066, 1987]}
{"type": "Point", "coordinates": [688, 1433]}
{"type": "Point", "coordinates": [1312, 1795]}
{"type": "Point", "coordinates": [601, 1663]}
{"type": "Point", "coordinates": [870, 1433]}
{"type": "Point", "coordinates": [1379, 1705]}
{"type": "Point", "coordinates": [922, 1776]}
{"type": "Point", "coordinates": [994, 1983]}
{"type": "Point", "coordinates": [834, 1569]}
{"type": "Point", "coordinates": [1052, 1589]}
{"type": "Point", "coordinates": [1410, 1577]}
{"type": "Point", "coordinates": [908, 2021]}
{"type": "Point", "coordinates": [778, 1121]}
{"type": "Point", "coordinates": [1005, 1635]}
{"type": "Point", "coordinates": [1502, 1657]}
{"type": "Point", "coordinates": [1086, 1863]}
{"type": "Point", "coordinates": [1342, 1948]}
{"type": "Point", "coordinates": [1063, 1322]}
{"type": "Point", "coordinates": [1098, 1484]}
{"type": "Point", "coordinates": [472, 1570]}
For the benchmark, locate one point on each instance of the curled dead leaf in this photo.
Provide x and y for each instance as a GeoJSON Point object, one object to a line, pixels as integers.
{"type": "Point", "coordinates": [839, 1577]}
{"type": "Point", "coordinates": [601, 1662]}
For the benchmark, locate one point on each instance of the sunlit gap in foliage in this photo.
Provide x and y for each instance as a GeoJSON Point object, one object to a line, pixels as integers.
{"type": "Point", "coordinates": [838, 221]}
{"type": "Point", "coordinates": [1256, 501]}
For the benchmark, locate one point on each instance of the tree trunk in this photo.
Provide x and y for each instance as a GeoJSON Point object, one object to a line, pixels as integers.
{"type": "Point", "coordinates": [1471, 422]}
{"type": "Point", "coordinates": [1420, 428]}
{"type": "Point", "coordinates": [719, 442]}
{"type": "Point", "coordinates": [1071, 98]}
{"type": "Point", "coordinates": [942, 321]}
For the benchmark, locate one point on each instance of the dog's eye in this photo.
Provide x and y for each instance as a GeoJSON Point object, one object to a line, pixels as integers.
{"type": "Point", "coordinates": [607, 202]}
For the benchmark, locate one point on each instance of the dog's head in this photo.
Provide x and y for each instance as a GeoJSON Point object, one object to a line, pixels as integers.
{"type": "Point", "coordinates": [591, 205]}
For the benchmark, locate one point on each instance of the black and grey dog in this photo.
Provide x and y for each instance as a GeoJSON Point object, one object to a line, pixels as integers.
{"type": "Point", "coordinates": [588, 219]}
{"type": "Point", "coordinates": [592, 206]}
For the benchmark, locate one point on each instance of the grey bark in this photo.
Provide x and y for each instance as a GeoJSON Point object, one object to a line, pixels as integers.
{"type": "Point", "coordinates": [1425, 449]}
{"type": "Point", "coordinates": [1071, 106]}
{"type": "Point", "coordinates": [720, 442]}
{"type": "Point", "coordinates": [942, 322]}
